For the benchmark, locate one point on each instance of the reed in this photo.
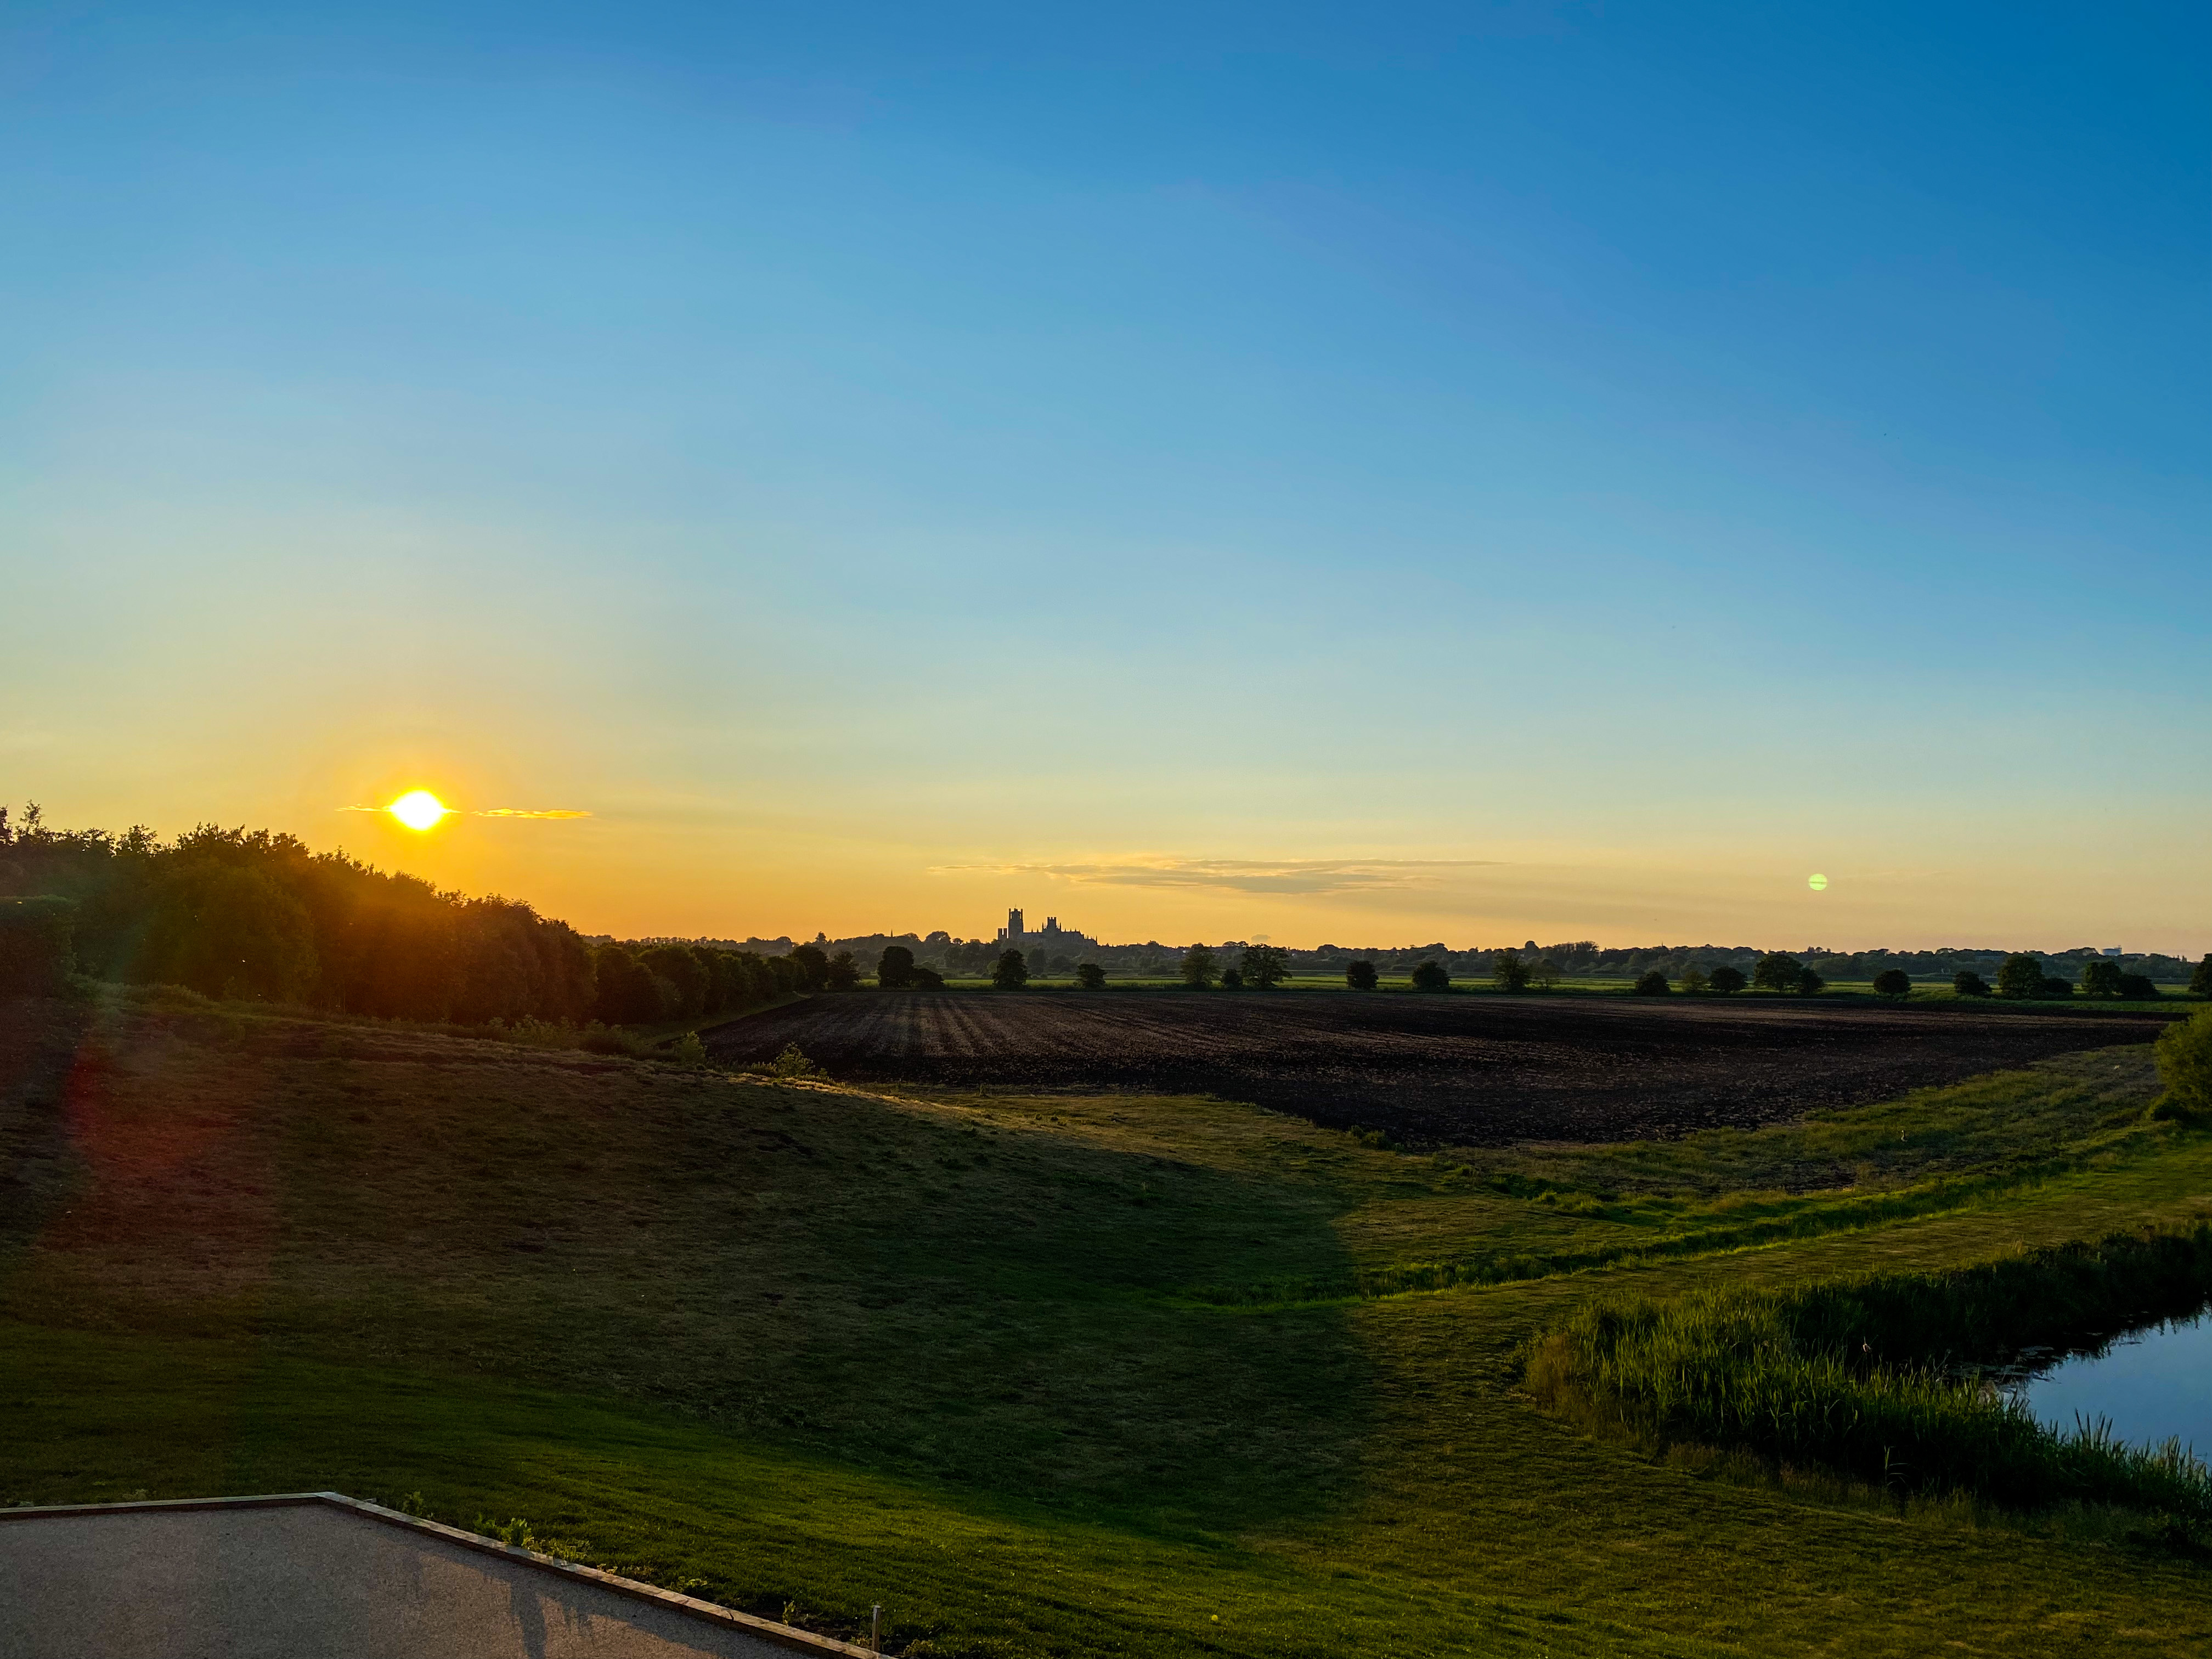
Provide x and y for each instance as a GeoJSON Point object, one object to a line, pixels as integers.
{"type": "Point", "coordinates": [1885, 1378]}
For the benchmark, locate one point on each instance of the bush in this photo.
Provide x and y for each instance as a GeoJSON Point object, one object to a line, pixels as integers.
{"type": "Point", "coordinates": [604, 1039]}
{"type": "Point", "coordinates": [1360, 975]}
{"type": "Point", "coordinates": [1089, 976]}
{"type": "Point", "coordinates": [1778, 971]}
{"type": "Point", "coordinates": [687, 1050]}
{"type": "Point", "coordinates": [844, 975]}
{"type": "Point", "coordinates": [2021, 977]}
{"type": "Point", "coordinates": [2185, 1066]}
{"type": "Point", "coordinates": [895, 968]}
{"type": "Point", "coordinates": [1232, 979]}
{"type": "Point", "coordinates": [1728, 980]}
{"type": "Point", "coordinates": [1694, 982]}
{"type": "Point", "coordinates": [1892, 982]}
{"type": "Point", "coordinates": [1266, 965]}
{"type": "Point", "coordinates": [1198, 967]}
{"type": "Point", "coordinates": [1432, 976]}
{"type": "Point", "coordinates": [2054, 988]}
{"type": "Point", "coordinates": [1809, 983]}
{"type": "Point", "coordinates": [1651, 984]}
{"type": "Point", "coordinates": [1510, 973]}
{"type": "Point", "coordinates": [792, 1063]}
{"type": "Point", "coordinates": [1968, 983]}
{"type": "Point", "coordinates": [2138, 988]}
{"type": "Point", "coordinates": [35, 955]}
{"type": "Point", "coordinates": [1010, 972]}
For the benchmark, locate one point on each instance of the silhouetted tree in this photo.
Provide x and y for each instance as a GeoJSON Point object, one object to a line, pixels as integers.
{"type": "Point", "coordinates": [2138, 988]}
{"type": "Point", "coordinates": [1693, 980]}
{"type": "Point", "coordinates": [1546, 973]}
{"type": "Point", "coordinates": [1968, 983]}
{"type": "Point", "coordinates": [1652, 983]}
{"type": "Point", "coordinates": [1778, 971]}
{"type": "Point", "coordinates": [1359, 975]}
{"type": "Point", "coordinates": [844, 973]}
{"type": "Point", "coordinates": [1091, 976]}
{"type": "Point", "coordinates": [895, 968]}
{"type": "Point", "coordinates": [1198, 967]}
{"type": "Point", "coordinates": [813, 967]}
{"type": "Point", "coordinates": [2101, 977]}
{"type": "Point", "coordinates": [2200, 977]}
{"type": "Point", "coordinates": [2021, 977]}
{"type": "Point", "coordinates": [1010, 972]}
{"type": "Point", "coordinates": [1892, 982]}
{"type": "Point", "coordinates": [1232, 979]}
{"type": "Point", "coordinates": [925, 979]}
{"type": "Point", "coordinates": [1510, 973]}
{"type": "Point", "coordinates": [1431, 976]}
{"type": "Point", "coordinates": [1728, 980]}
{"type": "Point", "coordinates": [1266, 965]}
{"type": "Point", "coordinates": [1809, 983]}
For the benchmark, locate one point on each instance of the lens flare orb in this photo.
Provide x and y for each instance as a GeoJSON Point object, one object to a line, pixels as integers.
{"type": "Point", "coordinates": [418, 809]}
{"type": "Point", "coordinates": [1817, 882]}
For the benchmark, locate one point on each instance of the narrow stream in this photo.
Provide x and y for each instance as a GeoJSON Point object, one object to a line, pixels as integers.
{"type": "Point", "coordinates": [2154, 1384]}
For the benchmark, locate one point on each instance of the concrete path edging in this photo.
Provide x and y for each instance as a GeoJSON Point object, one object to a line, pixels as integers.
{"type": "Point", "coordinates": [768, 1629]}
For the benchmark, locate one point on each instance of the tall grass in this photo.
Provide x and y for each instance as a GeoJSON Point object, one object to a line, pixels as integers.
{"type": "Point", "coordinates": [1876, 1378]}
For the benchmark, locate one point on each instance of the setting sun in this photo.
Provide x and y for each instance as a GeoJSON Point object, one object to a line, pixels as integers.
{"type": "Point", "coordinates": [418, 809]}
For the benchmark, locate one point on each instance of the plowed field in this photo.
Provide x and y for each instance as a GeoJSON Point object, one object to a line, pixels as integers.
{"type": "Point", "coordinates": [1464, 1071]}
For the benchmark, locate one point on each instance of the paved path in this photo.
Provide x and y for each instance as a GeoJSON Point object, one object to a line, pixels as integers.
{"type": "Point", "coordinates": [310, 1579]}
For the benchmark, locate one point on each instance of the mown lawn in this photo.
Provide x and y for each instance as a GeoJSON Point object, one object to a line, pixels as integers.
{"type": "Point", "coordinates": [1037, 1374]}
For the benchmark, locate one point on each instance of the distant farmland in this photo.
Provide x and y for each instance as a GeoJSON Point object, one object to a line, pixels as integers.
{"type": "Point", "coordinates": [1441, 1071]}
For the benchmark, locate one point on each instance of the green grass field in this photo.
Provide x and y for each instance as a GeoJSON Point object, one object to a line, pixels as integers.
{"type": "Point", "coordinates": [1054, 1375]}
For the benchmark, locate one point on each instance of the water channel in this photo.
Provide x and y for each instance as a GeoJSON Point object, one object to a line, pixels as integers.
{"type": "Point", "coordinates": [2153, 1384]}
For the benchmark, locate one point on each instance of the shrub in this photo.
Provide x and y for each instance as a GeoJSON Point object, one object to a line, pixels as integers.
{"type": "Point", "coordinates": [2021, 977]}
{"type": "Point", "coordinates": [1809, 983]}
{"type": "Point", "coordinates": [1265, 965]}
{"type": "Point", "coordinates": [1232, 979]}
{"type": "Point", "coordinates": [1651, 984]}
{"type": "Point", "coordinates": [1360, 975]}
{"type": "Point", "coordinates": [1694, 982]}
{"type": "Point", "coordinates": [600, 1039]}
{"type": "Point", "coordinates": [1010, 972]}
{"type": "Point", "coordinates": [1198, 967]}
{"type": "Point", "coordinates": [35, 956]}
{"type": "Point", "coordinates": [1510, 973]}
{"type": "Point", "coordinates": [1728, 980]}
{"type": "Point", "coordinates": [844, 974]}
{"type": "Point", "coordinates": [1968, 983]}
{"type": "Point", "coordinates": [1432, 976]}
{"type": "Point", "coordinates": [1091, 976]}
{"type": "Point", "coordinates": [2053, 988]}
{"type": "Point", "coordinates": [895, 968]}
{"type": "Point", "coordinates": [2185, 1066]}
{"type": "Point", "coordinates": [792, 1063]}
{"type": "Point", "coordinates": [688, 1050]}
{"type": "Point", "coordinates": [1778, 971]}
{"type": "Point", "coordinates": [1892, 982]}
{"type": "Point", "coordinates": [2138, 988]}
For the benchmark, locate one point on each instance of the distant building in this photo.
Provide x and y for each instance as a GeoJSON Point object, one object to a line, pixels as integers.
{"type": "Point", "coordinates": [2112, 950]}
{"type": "Point", "coordinates": [1050, 937]}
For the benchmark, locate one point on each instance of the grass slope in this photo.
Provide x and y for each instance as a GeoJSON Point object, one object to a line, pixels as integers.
{"type": "Point", "coordinates": [804, 1350]}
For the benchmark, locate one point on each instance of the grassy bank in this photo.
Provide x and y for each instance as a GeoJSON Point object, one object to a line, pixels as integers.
{"type": "Point", "coordinates": [817, 1349]}
{"type": "Point", "coordinates": [1876, 1378]}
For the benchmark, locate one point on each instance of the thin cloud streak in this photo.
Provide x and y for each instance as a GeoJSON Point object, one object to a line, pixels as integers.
{"type": "Point", "coordinates": [1278, 876]}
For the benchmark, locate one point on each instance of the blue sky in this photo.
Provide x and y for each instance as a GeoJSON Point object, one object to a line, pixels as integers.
{"type": "Point", "coordinates": [1582, 467]}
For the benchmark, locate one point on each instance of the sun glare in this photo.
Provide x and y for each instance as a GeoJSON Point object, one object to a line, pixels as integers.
{"type": "Point", "coordinates": [418, 809]}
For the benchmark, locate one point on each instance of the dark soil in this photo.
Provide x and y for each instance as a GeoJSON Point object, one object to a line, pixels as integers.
{"type": "Point", "coordinates": [1431, 1071]}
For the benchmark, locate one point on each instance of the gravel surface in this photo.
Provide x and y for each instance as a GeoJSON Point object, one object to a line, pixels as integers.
{"type": "Point", "coordinates": [1432, 1070]}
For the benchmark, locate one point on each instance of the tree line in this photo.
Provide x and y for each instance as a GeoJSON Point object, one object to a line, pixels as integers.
{"type": "Point", "coordinates": [261, 916]}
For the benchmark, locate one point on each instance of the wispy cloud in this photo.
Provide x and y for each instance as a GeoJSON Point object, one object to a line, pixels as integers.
{"type": "Point", "coordinates": [523, 812]}
{"type": "Point", "coordinates": [1290, 875]}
